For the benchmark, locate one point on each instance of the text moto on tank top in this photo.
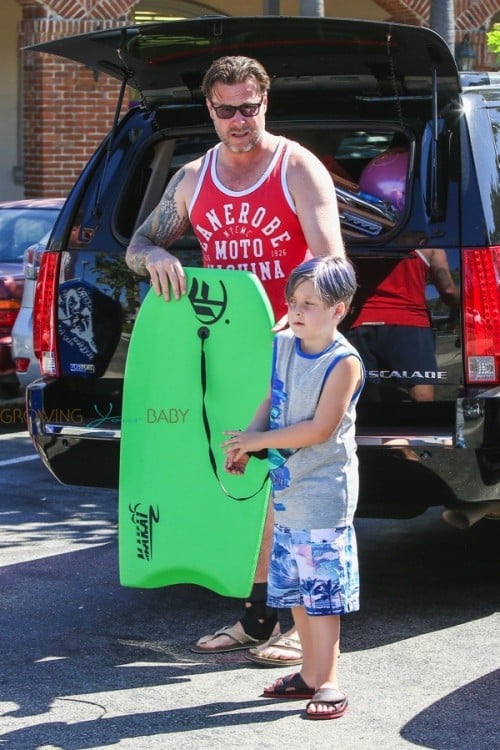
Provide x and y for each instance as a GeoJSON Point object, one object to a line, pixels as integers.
{"type": "Point", "coordinates": [256, 229]}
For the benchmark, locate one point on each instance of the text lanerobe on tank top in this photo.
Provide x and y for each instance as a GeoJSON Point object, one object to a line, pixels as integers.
{"type": "Point", "coordinates": [256, 229]}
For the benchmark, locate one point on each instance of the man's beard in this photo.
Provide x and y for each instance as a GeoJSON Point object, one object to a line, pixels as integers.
{"type": "Point", "coordinates": [256, 136]}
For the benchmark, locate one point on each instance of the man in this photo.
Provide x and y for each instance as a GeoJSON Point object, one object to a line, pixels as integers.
{"type": "Point", "coordinates": [256, 202]}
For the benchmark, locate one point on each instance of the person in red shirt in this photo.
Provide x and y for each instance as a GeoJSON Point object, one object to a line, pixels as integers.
{"type": "Point", "coordinates": [389, 320]}
{"type": "Point", "coordinates": [390, 323]}
{"type": "Point", "coordinates": [256, 202]}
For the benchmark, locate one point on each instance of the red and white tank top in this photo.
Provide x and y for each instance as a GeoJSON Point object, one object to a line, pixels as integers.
{"type": "Point", "coordinates": [255, 230]}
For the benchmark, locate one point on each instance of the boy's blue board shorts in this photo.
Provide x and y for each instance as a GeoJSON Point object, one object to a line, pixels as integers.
{"type": "Point", "coordinates": [316, 569]}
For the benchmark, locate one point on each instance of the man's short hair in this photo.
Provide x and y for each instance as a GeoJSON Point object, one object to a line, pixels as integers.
{"type": "Point", "coordinates": [234, 69]}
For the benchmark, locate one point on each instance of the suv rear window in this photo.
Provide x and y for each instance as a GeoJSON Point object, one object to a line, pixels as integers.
{"type": "Point", "coordinates": [369, 168]}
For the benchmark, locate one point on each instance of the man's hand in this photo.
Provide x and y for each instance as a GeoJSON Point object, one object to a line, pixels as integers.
{"type": "Point", "coordinates": [166, 272]}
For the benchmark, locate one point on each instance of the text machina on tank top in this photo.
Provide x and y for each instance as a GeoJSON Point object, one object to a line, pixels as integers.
{"type": "Point", "coordinates": [255, 230]}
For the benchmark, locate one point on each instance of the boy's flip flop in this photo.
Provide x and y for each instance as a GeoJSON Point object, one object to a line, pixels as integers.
{"type": "Point", "coordinates": [330, 697]}
{"type": "Point", "coordinates": [290, 687]}
{"type": "Point", "coordinates": [241, 641]}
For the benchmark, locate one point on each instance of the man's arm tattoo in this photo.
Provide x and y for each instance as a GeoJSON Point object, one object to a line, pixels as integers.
{"type": "Point", "coordinates": [136, 258]}
{"type": "Point", "coordinates": [160, 229]}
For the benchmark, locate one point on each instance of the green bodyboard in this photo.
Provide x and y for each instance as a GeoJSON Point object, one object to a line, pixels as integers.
{"type": "Point", "coordinates": [176, 522]}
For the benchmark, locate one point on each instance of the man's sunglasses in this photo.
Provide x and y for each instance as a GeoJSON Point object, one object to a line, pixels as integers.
{"type": "Point", "coordinates": [226, 111]}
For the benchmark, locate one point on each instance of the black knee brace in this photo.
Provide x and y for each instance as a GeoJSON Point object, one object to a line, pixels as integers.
{"type": "Point", "coordinates": [259, 620]}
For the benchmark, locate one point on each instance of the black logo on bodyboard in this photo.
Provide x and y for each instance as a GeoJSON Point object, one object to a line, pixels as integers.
{"type": "Point", "coordinates": [144, 522]}
{"type": "Point", "coordinates": [209, 302]}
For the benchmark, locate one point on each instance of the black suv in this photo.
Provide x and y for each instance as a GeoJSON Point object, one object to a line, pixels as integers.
{"type": "Point", "coordinates": [352, 91]}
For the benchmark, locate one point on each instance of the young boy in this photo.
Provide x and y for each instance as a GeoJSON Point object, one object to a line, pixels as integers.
{"type": "Point", "coordinates": [307, 424]}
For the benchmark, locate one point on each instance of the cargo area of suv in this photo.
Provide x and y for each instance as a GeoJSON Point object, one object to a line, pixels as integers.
{"type": "Point", "coordinates": [354, 92]}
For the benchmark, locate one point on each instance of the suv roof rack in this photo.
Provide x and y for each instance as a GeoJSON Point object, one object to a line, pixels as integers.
{"type": "Point", "coordinates": [480, 78]}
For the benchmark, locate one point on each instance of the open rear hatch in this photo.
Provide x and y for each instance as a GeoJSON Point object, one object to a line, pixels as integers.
{"type": "Point", "coordinates": [166, 61]}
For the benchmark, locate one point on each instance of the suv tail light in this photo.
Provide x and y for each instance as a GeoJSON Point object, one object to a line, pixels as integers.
{"type": "Point", "coordinates": [22, 364]}
{"type": "Point", "coordinates": [8, 314]}
{"type": "Point", "coordinates": [481, 308]}
{"type": "Point", "coordinates": [45, 314]}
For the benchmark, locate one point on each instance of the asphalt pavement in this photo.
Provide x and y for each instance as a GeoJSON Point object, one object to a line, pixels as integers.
{"type": "Point", "coordinates": [87, 663]}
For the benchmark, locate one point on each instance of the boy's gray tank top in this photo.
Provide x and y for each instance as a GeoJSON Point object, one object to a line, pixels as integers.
{"type": "Point", "coordinates": [314, 487]}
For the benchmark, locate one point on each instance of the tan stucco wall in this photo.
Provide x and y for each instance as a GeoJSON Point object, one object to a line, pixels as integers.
{"type": "Point", "coordinates": [9, 150]}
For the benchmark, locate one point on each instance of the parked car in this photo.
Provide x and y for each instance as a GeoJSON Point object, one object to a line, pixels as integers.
{"type": "Point", "coordinates": [351, 91]}
{"type": "Point", "coordinates": [22, 223]}
{"type": "Point", "coordinates": [25, 359]}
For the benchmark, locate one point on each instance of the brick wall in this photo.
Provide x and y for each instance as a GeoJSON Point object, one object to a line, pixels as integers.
{"type": "Point", "coordinates": [67, 112]}
{"type": "Point", "coordinates": [471, 19]}
{"type": "Point", "coordinates": [471, 16]}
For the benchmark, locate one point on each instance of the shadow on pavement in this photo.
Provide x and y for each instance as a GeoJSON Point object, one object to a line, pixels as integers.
{"type": "Point", "coordinates": [67, 628]}
{"type": "Point", "coordinates": [110, 731]}
{"type": "Point", "coordinates": [441, 725]}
